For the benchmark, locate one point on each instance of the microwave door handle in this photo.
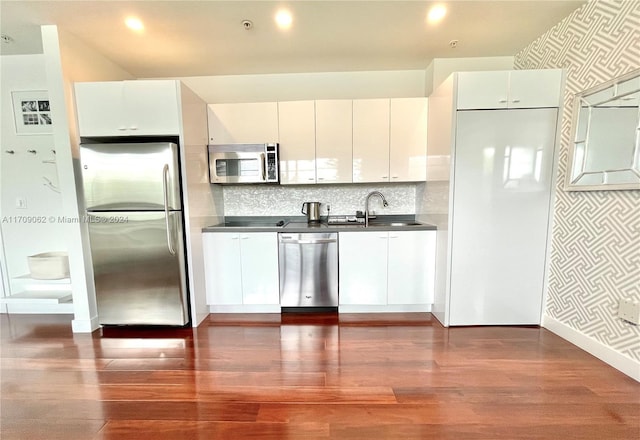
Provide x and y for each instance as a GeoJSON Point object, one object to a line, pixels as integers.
{"type": "Point", "coordinates": [263, 167]}
{"type": "Point", "coordinates": [165, 193]}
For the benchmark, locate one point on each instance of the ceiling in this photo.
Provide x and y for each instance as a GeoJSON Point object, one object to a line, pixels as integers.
{"type": "Point", "coordinates": [193, 38]}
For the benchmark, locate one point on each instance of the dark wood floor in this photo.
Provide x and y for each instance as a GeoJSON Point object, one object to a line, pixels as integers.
{"type": "Point", "coordinates": [307, 377]}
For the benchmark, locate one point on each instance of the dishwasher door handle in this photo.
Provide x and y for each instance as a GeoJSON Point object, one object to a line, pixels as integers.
{"type": "Point", "coordinates": [318, 241]}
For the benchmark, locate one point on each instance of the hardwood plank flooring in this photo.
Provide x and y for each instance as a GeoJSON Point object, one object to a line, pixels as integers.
{"type": "Point", "coordinates": [306, 376]}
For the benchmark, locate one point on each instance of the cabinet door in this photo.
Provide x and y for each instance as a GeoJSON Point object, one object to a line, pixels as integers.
{"type": "Point", "coordinates": [483, 90]}
{"type": "Point", "coordinates": [334, 141]}
{"type": "Point", "coordinates": [151, 107]}
{"type": "Point", "coordinates": [99, 106]}
{"type": "Point", "coordinates": [500, 218]}
{"type": "Point", "coordinates": [297, 130]}
{"type": "Point", "coordinates": [259, 256]}
{"type": "Point", "coordinates": [411, 267]}
{"type": "Point", "coordinates": [363, 268]}
{"type": "Point", "coordinates": [534, 88]}
{"type": "Point", "coordinates": [408, 140]}
{"type": "Point", "coordinates": [371, 140]}
{"type": "Point", "coordinates": [243, 123]}
{"type": "Point", "coordinates": [223, 276]}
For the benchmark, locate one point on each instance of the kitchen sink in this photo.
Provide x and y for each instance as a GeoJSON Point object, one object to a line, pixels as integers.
{"type": "Point", "coordinates": [391, 224]}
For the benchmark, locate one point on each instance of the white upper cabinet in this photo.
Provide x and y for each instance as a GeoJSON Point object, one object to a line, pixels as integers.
{"type": "Point", "coordinates": [371, 140]}
{"type": "Point", "coordinates": [128, 108]}
{"type": "Point", "coordinates": [535, 88]}
{"type": "Point", "coordinates": [243, 123]}
{"type": "Point", "coordinates": [509, 89]}
{"type": "Point", "coordinates": [408, 140]}
{"type": "Point", "coordinates": [334, 141]}
{"type": "Point", "coordinates": [297, 127]}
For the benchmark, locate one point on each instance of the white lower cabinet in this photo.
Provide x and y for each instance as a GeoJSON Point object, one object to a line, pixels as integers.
{"type": "Point", "coordinates": [386, 268]}
{"type": "Point", "coordinates": [241, 268]}
{"type": "Point", "coordinates": [411, 267]}
{"type": "Point", "coordinates": [363, 267]}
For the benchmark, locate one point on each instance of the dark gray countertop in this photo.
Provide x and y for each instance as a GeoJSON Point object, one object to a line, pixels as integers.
{"type": "Point", "coordinates": [299, 224]}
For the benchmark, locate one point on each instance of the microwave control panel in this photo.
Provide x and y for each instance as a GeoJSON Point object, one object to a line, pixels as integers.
{"type": "Point", "coordinates": [272, 163]}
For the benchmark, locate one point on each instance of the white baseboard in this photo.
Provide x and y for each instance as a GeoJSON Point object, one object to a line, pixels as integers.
{"type": "Point", "coordinates": [198, 318]}
{"type": "Point", "coordinates": [245, 308]}
{"type": "Point", "coordinates": [37, 309]}
{"type": "Point", "coordinates": [617, 360]}
{"type": "Point", "coordinates": [85, 325]}
{"type": "Point", "coordinates": [389, 308]}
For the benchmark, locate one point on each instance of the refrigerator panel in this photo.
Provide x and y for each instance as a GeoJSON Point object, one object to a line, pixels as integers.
{"type": "Point", "coordinates": [502, 186]}
{"type": "Point", "coordinates": [138, 280]}
{"type": "Point", "coordinates": [134, 176]}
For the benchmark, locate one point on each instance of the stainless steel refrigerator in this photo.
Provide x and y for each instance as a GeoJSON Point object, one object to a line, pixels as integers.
{"type": "Point", "coordinates": [134, 213]}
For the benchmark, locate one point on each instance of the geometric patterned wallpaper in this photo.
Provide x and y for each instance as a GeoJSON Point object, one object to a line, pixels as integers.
{"type": "Point", "coordinates": [595, 250]}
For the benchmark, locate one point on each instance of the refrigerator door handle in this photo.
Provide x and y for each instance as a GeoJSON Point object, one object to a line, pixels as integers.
{"type": "Point", "coordinates": [165, 175]}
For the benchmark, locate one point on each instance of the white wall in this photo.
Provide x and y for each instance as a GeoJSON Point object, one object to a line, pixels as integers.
{"type": "Point", "coordinates": [299, 86]}
{"type": "Point", "coordinates": [23, 174]}
{"type": "Point", "coordinates": [203, 204]}
{"type": "Point", "coordinates": [596, 234]}
{"type": "Point", "coordinates": [67, 60]}
{"type": "Point", "coordinates": [441, 68]}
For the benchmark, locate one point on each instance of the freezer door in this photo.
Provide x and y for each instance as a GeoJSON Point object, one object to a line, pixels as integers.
{"type": "Point", "coordinates": [138, 279]}
{"type": "Point", "coordinates": [136, 177]}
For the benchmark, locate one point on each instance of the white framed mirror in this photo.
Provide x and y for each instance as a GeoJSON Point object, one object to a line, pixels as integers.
{"type": "Point", "coordinates": [604, 153]}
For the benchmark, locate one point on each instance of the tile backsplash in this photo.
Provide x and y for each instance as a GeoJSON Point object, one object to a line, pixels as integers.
{"type": "Point", "coordinates": [286, 200]}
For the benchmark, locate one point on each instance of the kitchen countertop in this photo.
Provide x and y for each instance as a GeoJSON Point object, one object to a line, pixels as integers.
{"type": "Point", "coordinates": [299, 224]}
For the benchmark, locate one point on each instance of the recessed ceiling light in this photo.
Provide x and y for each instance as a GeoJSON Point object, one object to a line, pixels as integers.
{"type": "Point", "coordinates": [134, 24]}
{"type": "Point", "coordinates": [284, 19]}
{"type": "Point", "coordinates": [436, 14]}
{"type": "Point", "coordinates": [6, 39]}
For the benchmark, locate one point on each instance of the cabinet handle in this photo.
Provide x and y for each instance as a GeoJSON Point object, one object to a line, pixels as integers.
{"type": "Point", "coordinates": [244, 238]}
{"type": "Point", "coordinates": [320, 178]}
{"type": "Point", "coordinates": [394, 177]}
{"type": "Point", "coordinates": [393, 236]}
{"type": "Point", "coordinates": [122, 128]}
{"type": "Point", "coordinates": [515, 100]}
{"type": "Point", "coordinates": [234, 238]}
{"type": "Point", "coordinates": [311, 178]}
{"type": "Point", "coordinates": [384, 177]}
{"type": "Point", "coordinates": [502, 101]}
{"type": "Point", "coordinates": [133, 127]}
{"type": "Point", "coordinates": [383, 236]}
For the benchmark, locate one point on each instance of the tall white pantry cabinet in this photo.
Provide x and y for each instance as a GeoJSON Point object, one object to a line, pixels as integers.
{"type": "Point", "coordinates": [501, 138]}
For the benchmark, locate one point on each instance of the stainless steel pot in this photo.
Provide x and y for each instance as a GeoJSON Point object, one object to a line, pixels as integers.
{"type": "Point", "coordinates": [312, 211]}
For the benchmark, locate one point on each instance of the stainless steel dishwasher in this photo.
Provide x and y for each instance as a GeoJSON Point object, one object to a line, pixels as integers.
{"type": "Point", "coordinates": [308, 270]}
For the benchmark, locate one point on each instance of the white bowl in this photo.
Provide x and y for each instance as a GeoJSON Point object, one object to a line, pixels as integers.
{"type": "Point", "coordinates": [49, 265]}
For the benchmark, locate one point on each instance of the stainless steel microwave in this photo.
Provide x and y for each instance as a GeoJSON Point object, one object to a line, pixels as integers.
{"type": "Point", "coordinates": [244, 163]}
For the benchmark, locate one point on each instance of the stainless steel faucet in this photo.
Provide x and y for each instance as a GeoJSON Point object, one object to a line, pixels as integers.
{"type": "Point", "coordinates": [366, 205]}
